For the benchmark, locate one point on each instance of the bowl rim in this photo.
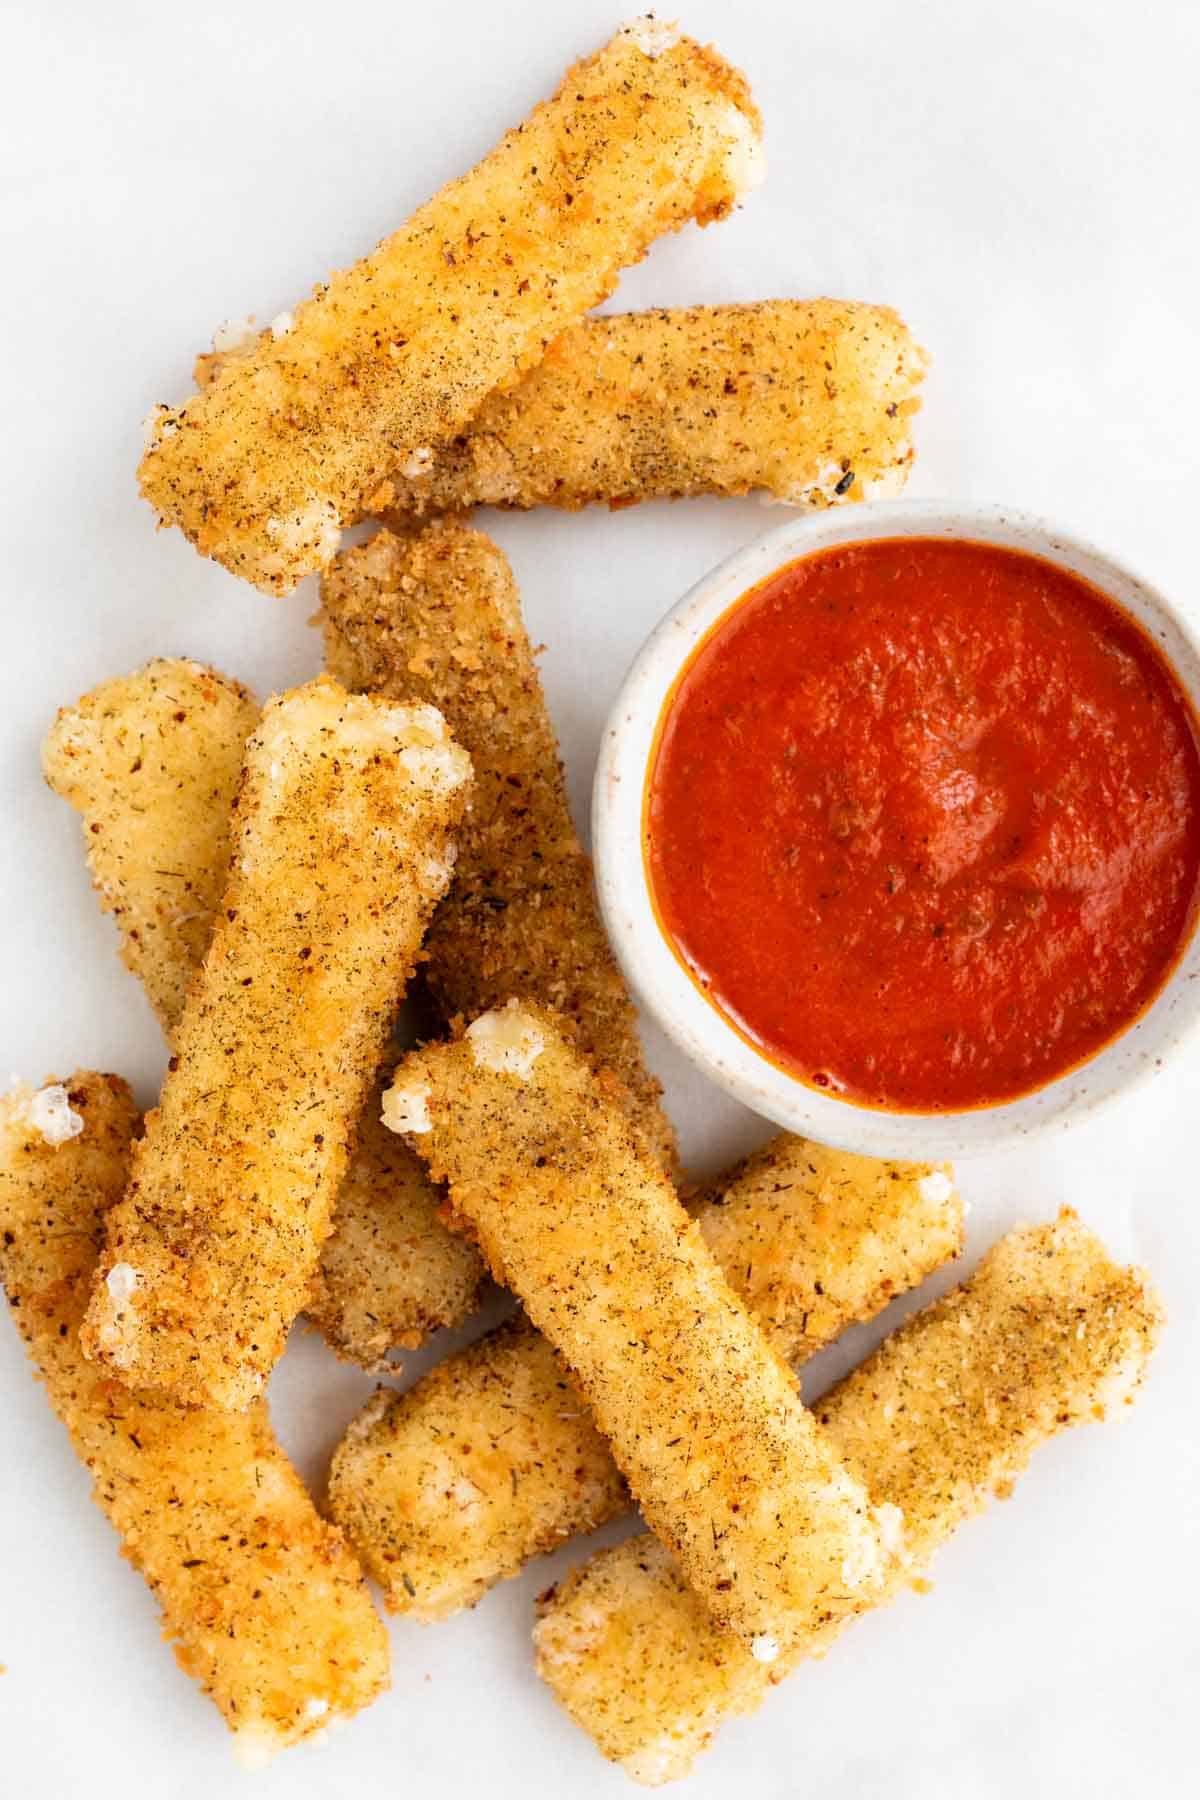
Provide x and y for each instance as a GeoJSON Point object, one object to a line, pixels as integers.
{"type": "Point", "coordinates": [651, 966]}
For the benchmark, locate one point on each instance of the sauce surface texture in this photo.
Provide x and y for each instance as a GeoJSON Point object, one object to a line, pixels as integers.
{"type": "Point", "coordinates": [923, 820]}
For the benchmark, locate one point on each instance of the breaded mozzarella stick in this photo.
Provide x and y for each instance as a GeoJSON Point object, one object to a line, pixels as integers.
{"type": "Point", "coordinates": [492, 1458]}
{"type": "Point", "coordinates": [1048, 1333]}
{"type": "Point", "coordinates": [437, 617]}
{"type": "Point", "coordinates": [390, 1271]}
{"type": "Point", "coordinates": [341, 850]}
{"type": "Point", "coordinates": [810, 401]}
{"type": "Point", "coordinates": [702, 1416]}
{"type": "Point", "coordinates": [813, 1239]}
{"type": "Point", "coordinates": [151, 762]}
{"type": "Point", "coordinates": [390, 358]}
{"type": "Point", "coordinates": [267, 1607]}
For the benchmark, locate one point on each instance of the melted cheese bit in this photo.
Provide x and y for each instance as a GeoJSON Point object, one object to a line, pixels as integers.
{"type": "Point", "coordinates": [745, 159]}
{"type": "Point", "coordinates": [233, 334]}
{"type": "Point", "coordinates": [508, 1041]}
{"type": "Point", "coordinates": [654, 37]}
{"type": "Point", "coordinates": [121, 1282]}
{"type": "Point", "coordinates": [406, 1107]}
{"type": "Point", "coordinates": [49, 1112]}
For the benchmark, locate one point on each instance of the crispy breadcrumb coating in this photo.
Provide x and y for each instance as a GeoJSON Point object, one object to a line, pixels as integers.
{"type": "Point", "coordinates": [492, 1458]}
{"type": "Point", "coordinates": [437, 617]}
{"type": "Point", "coordinates": [489, 1459]}
{"type": "Point", "coordinates": [702, 1416]}
{"type": "Point", "coordinates": [345, 817]}
{"type": "Point", "coordinates": [811, 401]}
{"type": "Point", "coordinates": [267, 1607]}
{"type": "Point", "coordinates": [390, 1271]}
{"type": "Point", "coordinates": [151, 762]}
{"type": "Point", "coordinates": [391, 358]}
{"type": "Point", "coordinates": [1048, 1333]}
{"type": "Point", "coordinates": [813, 1239]}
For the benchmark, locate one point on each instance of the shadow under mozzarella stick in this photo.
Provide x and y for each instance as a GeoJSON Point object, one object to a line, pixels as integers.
{"type": "Point", "coordinates": [151, 762]}
{"type": "Point", "coordinates": [341, 849]}
{"type": "Point", "coordinates": [702, 1416]}
{"type": "Point", "coordinates": [1049, 1332]}
{"type": "Point", "coordinates": [492, 1458]}
{"type": "Point", "coordinates": [267, 1607]}
{"type": "Point", "coordinates": [437, 617]}
{"type": "Point", "coordinates": [810, 401]}
{"type": "Point", "coordinates": [390, 358]}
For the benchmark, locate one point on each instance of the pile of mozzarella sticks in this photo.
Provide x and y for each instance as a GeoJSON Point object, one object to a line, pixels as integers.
{"type": "Point", "coordinates": [279, 874]}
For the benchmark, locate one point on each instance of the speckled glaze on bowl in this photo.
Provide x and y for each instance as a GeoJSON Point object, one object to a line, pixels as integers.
{"type": "Point", "coordinates": [654, 972]}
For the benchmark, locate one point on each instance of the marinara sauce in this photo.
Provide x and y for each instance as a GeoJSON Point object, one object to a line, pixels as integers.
{"type": "Point", "coordinates": [923, 820]}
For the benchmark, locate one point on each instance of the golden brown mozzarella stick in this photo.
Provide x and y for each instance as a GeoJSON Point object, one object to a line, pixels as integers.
{"type": "Point", "coordinates": [341, 849]}
{"type": "Point", "coordinates": [703, 1417]}
{"type": "Point", "coordinates": [151, 762]}
{"type": "Point", "coordinates": [813, 1239]}
{"type": "Point", "coordinates": [391, 358]}
{"type": "Point", "coordinates": [1048, 1333]}
{"type": "Point", "coordinates": [809, 400]}
{"type": "Point", "coordinates": [390, 1271]}
{"type": "Point", "coordinates": [437, 617]}
{"type": "Point", "coordinates": [267, 1607]}
{"type": "Point", "coordinates": [492, 1458]}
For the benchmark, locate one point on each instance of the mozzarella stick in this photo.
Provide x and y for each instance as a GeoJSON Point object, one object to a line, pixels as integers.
{"type": "Point", "coordinates": [151, 763]}
{"type": "Point", "coordinates": [810, 401]}
{"type": "Point", "coordinates": [813, 1240]}
{"type": "Point", "coordinates": [702, 1416]}
{"type": "Point", "coordinates": [267, 1607]}
{"type": "Point", "coordinates": [1048, 1333]}
{"type": "Point", "coordinates": [341, 849]}
{"type": "Point", "coordinates": [437, 617]}
{"type": "Point", "coordinates": [390, 1271]}
{"type": "Point", "coordinates": [492, 1458]}
{"type": "Point", "coordinates": [390, 359]}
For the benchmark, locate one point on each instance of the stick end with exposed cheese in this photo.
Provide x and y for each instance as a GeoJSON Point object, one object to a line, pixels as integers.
{"type": "Point", "coordinates": [814, 1239]}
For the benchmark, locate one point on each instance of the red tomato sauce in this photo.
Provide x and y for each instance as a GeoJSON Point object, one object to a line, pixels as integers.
{"type": "Point", "coordinates": [923, 821]}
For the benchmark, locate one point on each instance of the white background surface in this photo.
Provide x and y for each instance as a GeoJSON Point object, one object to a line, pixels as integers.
{"type": "Point", "coordinates": [1016, 178]}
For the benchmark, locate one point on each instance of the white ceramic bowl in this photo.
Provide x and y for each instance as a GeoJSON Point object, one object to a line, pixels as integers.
{"type": "Point", "coordinates": [650, 964]}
